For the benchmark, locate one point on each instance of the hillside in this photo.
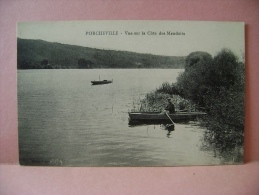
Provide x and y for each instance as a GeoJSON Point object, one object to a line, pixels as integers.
{"type": "Point", "coordinates": [38, 54]}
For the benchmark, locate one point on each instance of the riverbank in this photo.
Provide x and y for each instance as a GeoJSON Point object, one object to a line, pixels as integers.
{"type": "Point", "coordinates": [156, 101]}
{"type": "Point", "coordinates": [217, 85]}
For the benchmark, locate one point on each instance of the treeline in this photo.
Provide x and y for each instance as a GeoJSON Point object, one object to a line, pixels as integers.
{"type": "Point", "coordinates": [216, 85]}
{"type": "Point", "coordinates": [38, 54]}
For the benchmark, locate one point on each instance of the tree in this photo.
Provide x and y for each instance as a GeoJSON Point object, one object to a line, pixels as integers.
{"type": "Point", "coordinates": [26, 64]}
{"type": "Point", "coordinates": [89, 64]}
{"type": "Point", "coordinates": [146, 62]}
{"type": "Point", "coordinates": [226, 70]}
{"type": "Point", "coordinates": [191, 84]}
{"type": "Point", "coordinates": [196, 59]}
{"type": "Point", "coordinates": [82, 63]}
{"type": "Point", "coordinates": [44, 62]}
{"type": "Point", "coordinates": [218, 84]}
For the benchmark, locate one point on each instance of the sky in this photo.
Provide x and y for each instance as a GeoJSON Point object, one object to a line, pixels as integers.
{"type": "Point", "coordinates": [180, 38]}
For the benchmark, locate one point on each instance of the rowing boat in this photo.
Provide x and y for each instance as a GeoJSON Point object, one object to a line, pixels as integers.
{"type": "Point", "coordinates": [159, 118]}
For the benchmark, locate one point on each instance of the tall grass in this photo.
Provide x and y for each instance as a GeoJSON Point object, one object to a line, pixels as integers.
{"type": "Point", "coordinates": [156, 101]}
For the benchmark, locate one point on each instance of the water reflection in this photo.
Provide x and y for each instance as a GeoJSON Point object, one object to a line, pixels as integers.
{"type": "Point", "coordinates": [169, 128]}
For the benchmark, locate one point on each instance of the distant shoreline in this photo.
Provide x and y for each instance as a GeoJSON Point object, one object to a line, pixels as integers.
{"type": "Point", "coordinates": [39, 54]}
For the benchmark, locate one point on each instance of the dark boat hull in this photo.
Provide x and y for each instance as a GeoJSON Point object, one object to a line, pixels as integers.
{"type": "Point", "coordinates": [101, 82]}
{"type": "Point", "coordinates": [159, 118]}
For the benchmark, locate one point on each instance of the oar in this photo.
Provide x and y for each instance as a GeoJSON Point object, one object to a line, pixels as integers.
{"type": "Point", "coordinates": [169, 118]}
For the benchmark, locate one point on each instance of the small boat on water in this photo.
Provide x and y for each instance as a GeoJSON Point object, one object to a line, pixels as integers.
{"type": "Point", "coordinates": [159, 118]}
{"type": "Point", "coordinates": [101, 82]}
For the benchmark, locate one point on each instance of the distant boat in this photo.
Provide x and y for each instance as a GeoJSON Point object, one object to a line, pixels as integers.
{"type": "Point", "coordinates": [101, 82]}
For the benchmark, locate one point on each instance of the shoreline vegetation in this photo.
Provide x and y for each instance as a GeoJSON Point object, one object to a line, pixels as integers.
{"type": "Point", "coordinates": [215, 85]}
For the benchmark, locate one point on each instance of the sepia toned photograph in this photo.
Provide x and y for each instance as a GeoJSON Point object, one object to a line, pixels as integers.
{"type": "Point", "coordinates": [131, 93]}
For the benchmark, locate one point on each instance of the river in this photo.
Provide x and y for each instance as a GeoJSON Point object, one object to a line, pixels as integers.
{"type": "Point", "coordinates": [65, 121]}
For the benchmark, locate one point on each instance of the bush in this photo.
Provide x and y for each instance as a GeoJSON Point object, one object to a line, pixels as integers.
{"type": "Point", "coordinates": [166, 88]}
{"type": "Point", "coordinates": [156, 102]}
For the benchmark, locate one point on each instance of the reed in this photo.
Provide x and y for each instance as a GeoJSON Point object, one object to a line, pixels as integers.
{"type": "Point", "coordinates": [156, 101]}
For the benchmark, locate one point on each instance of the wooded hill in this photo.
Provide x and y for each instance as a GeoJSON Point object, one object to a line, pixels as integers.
{"type": "Point", "coordinates": [38, 54]}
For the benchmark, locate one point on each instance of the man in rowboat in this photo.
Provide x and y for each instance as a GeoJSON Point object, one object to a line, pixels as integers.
{"type": "Point", "coordinates": [170, 109]}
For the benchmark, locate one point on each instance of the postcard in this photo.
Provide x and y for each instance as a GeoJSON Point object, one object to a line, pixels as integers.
{"type": "Point", "coordinates": [130, 93]}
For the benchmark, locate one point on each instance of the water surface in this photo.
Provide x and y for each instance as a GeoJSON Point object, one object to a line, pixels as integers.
{"type": "Point", "coordinates": [64, 120]}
